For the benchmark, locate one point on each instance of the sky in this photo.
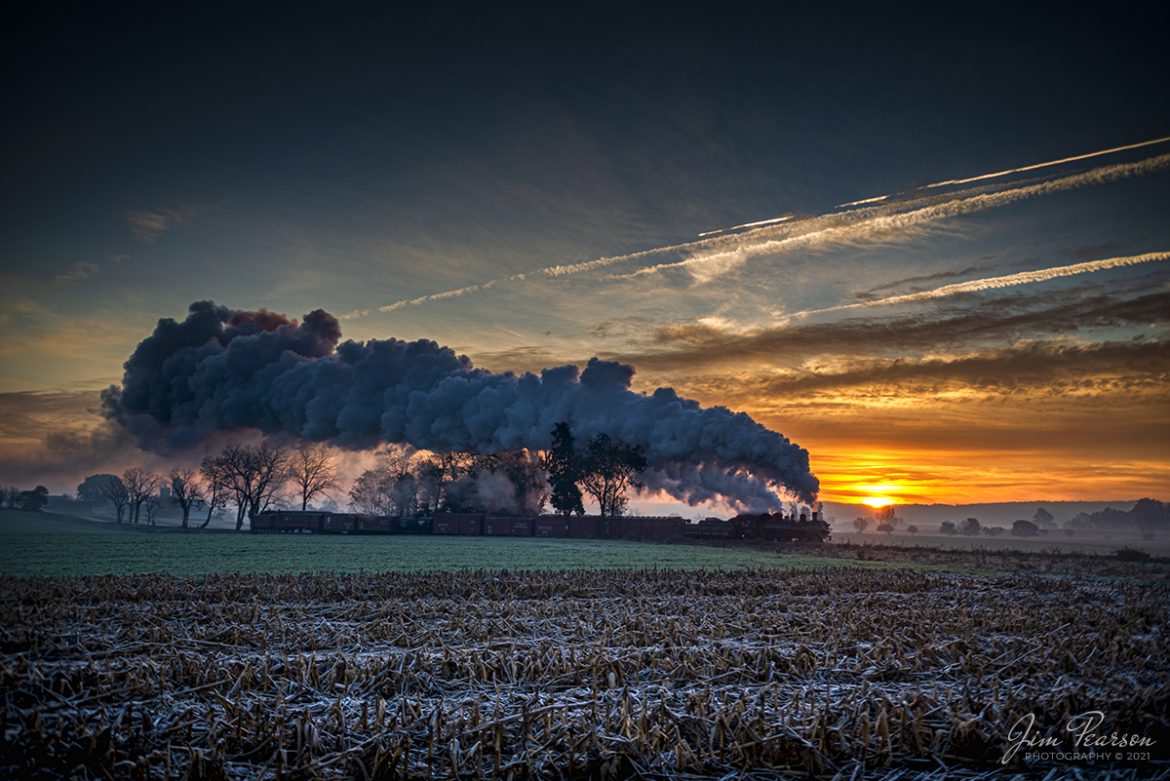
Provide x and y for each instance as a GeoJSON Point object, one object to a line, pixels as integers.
{"type": "Point", "coordinates": [926, 242]}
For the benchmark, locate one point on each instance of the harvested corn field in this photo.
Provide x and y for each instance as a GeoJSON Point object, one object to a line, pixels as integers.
{"type": "Point", "coordinates": [654, 674]}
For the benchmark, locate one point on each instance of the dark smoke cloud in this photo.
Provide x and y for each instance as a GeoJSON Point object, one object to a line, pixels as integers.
{"type": "Point", "coordinates": [223, 369]}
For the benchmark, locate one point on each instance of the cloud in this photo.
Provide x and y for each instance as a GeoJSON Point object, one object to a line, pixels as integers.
{"type": "Point", "coordinates": [876, 223]}
{"type": "Point", "coordinates": [881, 218]}
{"type": "Point", "coordinates": [689, 346]}
{"type": "Point", "coordinates": [1106, 368]}
{"type": "Point", "coordinates": [994, 283]}
{"type": "Point", "coordinates": [871, 293]}
{"type": "Point", "coordinates": [79, 271]}
{"type": "Point", "coordinates": [148, 225]}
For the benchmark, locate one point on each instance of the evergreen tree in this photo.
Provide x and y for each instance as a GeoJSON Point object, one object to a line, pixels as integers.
{"type": "Point", "coordinates": [564, 470]}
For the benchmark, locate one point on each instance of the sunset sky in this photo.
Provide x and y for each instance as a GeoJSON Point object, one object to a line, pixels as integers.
{"type": "Point", "coordinates": [884, 231]}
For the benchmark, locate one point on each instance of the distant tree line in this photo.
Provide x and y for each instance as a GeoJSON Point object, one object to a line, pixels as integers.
{"type": "Point", "coordinates": [1147, 517]}
{"type": "Point", "coordinates": [31, 501]}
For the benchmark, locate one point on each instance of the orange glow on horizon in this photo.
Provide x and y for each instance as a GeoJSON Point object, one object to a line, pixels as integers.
{"type": "Point", "coordinates": [877, 502]}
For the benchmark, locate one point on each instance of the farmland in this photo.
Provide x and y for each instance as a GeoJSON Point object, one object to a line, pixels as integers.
{"type": "Point", "coordinates": [610, 674]}
{"type": "Point", "coordinates": [268, 656]}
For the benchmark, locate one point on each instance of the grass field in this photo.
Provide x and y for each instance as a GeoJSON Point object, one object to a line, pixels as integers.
{"type": "Point", "coordinates": [43, 544]}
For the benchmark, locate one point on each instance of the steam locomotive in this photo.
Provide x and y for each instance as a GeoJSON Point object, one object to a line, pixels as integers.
{"type": "Point", "coordinates": [775, 527]}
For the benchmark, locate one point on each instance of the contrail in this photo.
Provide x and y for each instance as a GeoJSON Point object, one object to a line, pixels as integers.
{"type": "Point", "coordinates": [869, 225]}
{"type": "Point", "coordinates": [756, 224]}
{"type": "Point", "coordinates": [993, 283]}
{"type": "Point", "coordinates": [863, 201]}
{"type": "Point", "coordinates": [1061, 161]}
{"type": "Point", "coordinates": [1009, 171]}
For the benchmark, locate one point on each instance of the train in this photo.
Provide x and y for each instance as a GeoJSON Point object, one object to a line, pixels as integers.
{"type": "Point", "coordinates": [766, 527]}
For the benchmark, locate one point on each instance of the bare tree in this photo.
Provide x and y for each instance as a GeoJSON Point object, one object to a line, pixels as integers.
{"type": "Point", "coordinates": [217, 489]}
{"type": "Point", "coordinates": [140, 485]}
{"type": "Point", "coordinates": [115, 491]}
{"type": "Point", "coordinates": [187, 491]}
{"type": "Point", "coordinates": [371, 492]}
{"type": "Point", "coordinates": [253, 475]}
{"type": "Point", "coordinates": [312, 472]}
{"type": "Point", "coordinates": [609, 469]}
{"type": "Point", "coordinates": [152, 504]}
{"type": "Point", "coordinates": [9, 496]}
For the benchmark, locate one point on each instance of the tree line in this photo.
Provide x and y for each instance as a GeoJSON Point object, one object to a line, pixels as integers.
{"type": "Point", "coordinates": [249, 477]}
{"type": "Point", "coordinates": [32, 500]}
{"type": "Point", "coordinates": [406, 482]}
{"type": "Point", "coordinates": [519, 482]}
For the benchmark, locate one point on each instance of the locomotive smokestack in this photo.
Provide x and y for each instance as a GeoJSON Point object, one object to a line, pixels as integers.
{"type": "Point", "coordinates": [222, 369]}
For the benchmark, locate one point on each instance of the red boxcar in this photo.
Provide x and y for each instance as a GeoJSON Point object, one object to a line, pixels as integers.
{"type": "Point", "coordinates": [411, 525]}
{"type": "Point", "coordinates": [507, 527]}
{"type": "Point", "coordinates": [288, 521]}
{"type": "Point", "coordinates": [469, 524]}
{"type": "Point", "coordinates": [337, 523]}
{"type": "Point", "coordinates": [584, 526]}
{"type": "Point", "coordinates": [551, 526]}
{"type": "Point", "coordinates": [264, 522]}
{"type": "Point", "coordinates": [374, 524]}
{"type": "Point", "coordinates": [648, 527]}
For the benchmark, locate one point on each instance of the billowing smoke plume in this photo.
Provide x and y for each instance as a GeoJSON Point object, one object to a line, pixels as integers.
{"type": "Point", "coordinates": [223, 369]}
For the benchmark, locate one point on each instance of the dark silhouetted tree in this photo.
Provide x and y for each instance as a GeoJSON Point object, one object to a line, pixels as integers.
{"type": "Point", "coordinates": [948, 527]}
{"type": "Point", "coordinates": [861, 524]}
{"type": "Point", "coordinates": [609, 469]}
{"type": "Point", "coordinates": [186, 490]}
{"type": "Point", "coordinates": [371, 492]}
{"type": "Point", "coordinates": [1150, 515]}
{"type": "Point", "coordinates": [253, 476]}
{"type": "Point", "coordinates": [94, 489]}
{"type": "Point", "coordinates": [970, 527]}
{"type": "Point", "coordinates": [140, 485]}
{"type": "Point", "coordinates": [113, 490]}
{"type": "Point", "coordinates": [912, 529]}
{"type": "Point", "coordinates": [1024, 528]}
{"type": "Point", "coordinates": [312, 473]}
{"type": "Point", "coordinates": [34, 500]}
{"type": "Point", "coordinates": [217, 486]}
{"type": "Point", "coordinates": [564, 472]}
{"type": "Point", "coordinates": [1043, 519]}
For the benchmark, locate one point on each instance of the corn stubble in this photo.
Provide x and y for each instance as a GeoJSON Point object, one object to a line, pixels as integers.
{"type": "Point", "coordinates": [654, 674]}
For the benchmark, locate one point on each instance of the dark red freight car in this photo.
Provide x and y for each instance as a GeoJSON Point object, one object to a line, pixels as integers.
{"type": "Point", "coordinates": [289, 521]}
{"type": "Point", "coordinates": [551, 526]}
{"type": "Point", "coordinates": [466, 524]}
{"type": "Point", "coordinates": [499, 526]}
{"type": "Point", "coordinates": [374, 524]}
{"type": "Point", "coordinates": [645, 527]}
{"type": "Point", "coordinates": [337, 523]}
{"type": "Point", "coordinates": [584, 526]}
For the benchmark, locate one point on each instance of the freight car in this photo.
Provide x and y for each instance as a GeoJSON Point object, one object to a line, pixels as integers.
{"type": "Point", "coordinates": [767, 527]}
